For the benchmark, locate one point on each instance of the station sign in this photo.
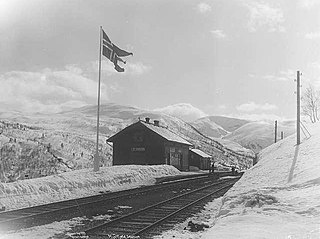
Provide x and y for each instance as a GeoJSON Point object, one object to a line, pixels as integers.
{"type": "Point", "coordinates": [141, 149]}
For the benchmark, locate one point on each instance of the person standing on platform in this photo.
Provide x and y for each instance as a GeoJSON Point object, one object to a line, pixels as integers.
{"type": "Point", "coordinates": [212, 167]}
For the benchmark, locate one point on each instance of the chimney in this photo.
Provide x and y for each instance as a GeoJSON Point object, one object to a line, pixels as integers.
{"type": "Point", "coordinates": [147, 120]}
{"type": "Point", "coordinates": [156, 122]}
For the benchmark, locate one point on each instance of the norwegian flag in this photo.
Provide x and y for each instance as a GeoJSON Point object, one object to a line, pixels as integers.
{"type": "Point", "coordinates": [113, 53]}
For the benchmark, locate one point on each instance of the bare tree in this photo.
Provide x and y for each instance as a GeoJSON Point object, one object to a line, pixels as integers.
{"type": "Point", "coordinates": [311, 103]}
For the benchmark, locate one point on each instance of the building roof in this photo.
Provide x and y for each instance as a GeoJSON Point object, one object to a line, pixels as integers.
{"type": "Point", "coordinates": [166, 133]}
{"type": "Point", "coordinates": [201, 153]}
{"type": "Point", "coordinates": [159, 130]}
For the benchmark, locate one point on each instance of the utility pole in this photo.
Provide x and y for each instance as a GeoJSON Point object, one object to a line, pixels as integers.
{"type": "Point", "coordinates": [298, 107]}
{"type": "Point", "coordinates": [275, 131]}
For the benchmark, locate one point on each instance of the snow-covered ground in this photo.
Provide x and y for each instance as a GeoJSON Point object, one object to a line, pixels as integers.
{"type": "Point", "coordinates": [278, 198]}
{"type": "Point", "coordinates": [79, 183]}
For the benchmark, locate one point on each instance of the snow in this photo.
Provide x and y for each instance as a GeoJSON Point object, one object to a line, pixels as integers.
{"type": "Point", "coordinates": [277, 198]}
{"type": "Point", "coordinates": [79, 183]}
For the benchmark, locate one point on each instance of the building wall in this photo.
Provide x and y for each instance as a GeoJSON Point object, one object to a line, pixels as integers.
{"type": "Point", "coordinates": [138, 146]}
{"type": "Point", "coordinates": [177, 155]}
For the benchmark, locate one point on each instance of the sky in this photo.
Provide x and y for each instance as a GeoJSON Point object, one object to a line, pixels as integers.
{"type": "Point", "coordinates": [191, 58]}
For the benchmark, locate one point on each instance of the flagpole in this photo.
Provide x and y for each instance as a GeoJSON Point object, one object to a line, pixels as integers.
{"type": "Point", "coordinates": [96, 161]}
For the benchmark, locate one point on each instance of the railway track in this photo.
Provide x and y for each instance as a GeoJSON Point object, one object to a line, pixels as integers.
{"type": "Point", "coordinates": [142, 223]}
{"type": "Point", "coordinates": [42, 214]}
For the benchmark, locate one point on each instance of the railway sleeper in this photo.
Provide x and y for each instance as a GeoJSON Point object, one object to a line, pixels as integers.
{"type": "Point", "coordinates": [184, 200]}
{"type": "Point", "coordinates": [193, 197]}
{"type": "Point", "coordinates": [162, 210]}
{"type": "Point", "coordinates": [162, 214]}
{"type": "Point", "coordinates": [151, 213]}
{"type": "Point", "coordinates": [118, 230]}
{"type": "Point", "coordinates": [200, 194]}
{"type": "Point", "coordinates": [181, 201]}
{"type": "Point", "coordinates": [134, 223]}
{"type": "Point", "coordinates": [171, 207]}
{"type": "Point", "coordinates": [143, 220]}
{"type": "Point", "coordinates": [132, 226]}
{"type": "Point", "coordinates": [140, 218]}
{"type": "Point", "coordinates": [179, 205]}
{"type": "Point", "coordinates": [149, 217]}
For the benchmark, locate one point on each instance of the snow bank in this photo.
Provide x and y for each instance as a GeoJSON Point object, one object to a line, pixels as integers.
{"type": "Point", "coordinates": [278, 198]}
{"type": "Point", "coordinates": [79, 183]}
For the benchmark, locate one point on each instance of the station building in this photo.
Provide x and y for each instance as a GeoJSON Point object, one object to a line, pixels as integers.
{"type": "Point", "coordinates": [147, 143]}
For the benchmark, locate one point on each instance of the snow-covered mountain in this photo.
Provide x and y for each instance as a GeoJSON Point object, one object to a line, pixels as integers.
{"type": "Point", "coordinates": [253, 135]}
{"type": "Point", "coordinates": [209, 127]}
{"type": "Point", "coordinates": [217, 126]}
{"type": "Point", "coordinates": [45, 144]}
{"type": "Point", "coordinates": [260, 134]}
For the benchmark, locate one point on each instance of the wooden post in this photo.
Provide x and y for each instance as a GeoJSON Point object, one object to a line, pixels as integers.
{"type": "Point", "coordinates": [298, 107]}
{"type": "Point", "coordinates": [282, 135]}
{"type": "Point", "coordinates": [275, 131]}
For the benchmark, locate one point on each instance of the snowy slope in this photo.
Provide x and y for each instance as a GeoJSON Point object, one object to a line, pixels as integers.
{"type": "Point", "coordinates": [278, 198]}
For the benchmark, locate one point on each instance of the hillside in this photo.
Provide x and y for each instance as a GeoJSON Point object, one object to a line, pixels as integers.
{"type": "Point", "coordinates": [260, 134]}
{"type": "Point", "coordinates": [46, 144]}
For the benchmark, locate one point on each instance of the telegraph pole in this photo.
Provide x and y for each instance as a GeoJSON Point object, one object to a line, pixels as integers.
{"type": "Point", "coordinates": [275, 131]}
{"type": "Point", "coordinates": [298, 107]}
